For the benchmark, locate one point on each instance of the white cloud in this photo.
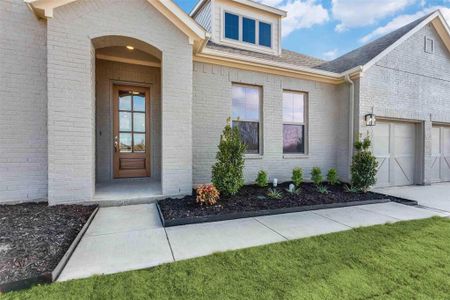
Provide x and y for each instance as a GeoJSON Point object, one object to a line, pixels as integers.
{"type": "Point", "coordinates": [358, 13]}
{"type": "Point", "coordinates": [300, 13]}
{"type": "Point", "coordinates": [330, 55]}
{"type": "Point", "coordinates": [402, 20]}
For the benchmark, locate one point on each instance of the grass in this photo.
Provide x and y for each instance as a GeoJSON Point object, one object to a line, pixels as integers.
{"type": "Point", "coordinates": [407, 260]}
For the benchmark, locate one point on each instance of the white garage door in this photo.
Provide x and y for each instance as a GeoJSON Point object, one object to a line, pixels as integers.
{"type": "Point", "coordinates": [394, 145]}
{"type": "Point", "coordinates": [440, 162]}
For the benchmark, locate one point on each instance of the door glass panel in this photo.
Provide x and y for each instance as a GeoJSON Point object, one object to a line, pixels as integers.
{"type": "Point", "coordinates": [139, 102]}
{"type": "Point", "coordinates": [125, 142]}
{"type": "Point", "coordinates": [139, 122]}
{"type": "Point", "coordinates": [124, 101]}
{"type": "Point", "coordinates": [125, 121]}
{"type": "Point", "coordinates": [139, 142]}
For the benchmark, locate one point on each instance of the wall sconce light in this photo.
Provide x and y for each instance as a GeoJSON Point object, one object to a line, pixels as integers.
{"type": "Point", "coordinates": [371, 119]}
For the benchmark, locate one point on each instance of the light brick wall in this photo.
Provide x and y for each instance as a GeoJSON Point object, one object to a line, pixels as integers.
{"type": "Point", "coordinates": [107, 73]}
{"type": "Point", "coordinates": [212, 106]}
{"type": "Point", "coordinates": [71, 93]}
{"type": "Point", "coordinates": [23, 104]}
{"type": "Point", "coordinates": [410, 84]}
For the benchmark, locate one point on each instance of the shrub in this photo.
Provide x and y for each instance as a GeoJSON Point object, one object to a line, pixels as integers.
{"type": "Point", "coordinates": [207, 194]}
{"type": "Point", "coordinates": [350, 189]}
{"type": "Point", "coordinates": [297, 176]}
{"type": "Point", "coordinates": [322, 189]}
{"type": "Point", "coordinates": [364, 166]}
{"type": "Point", "coordinates": [316, 176]}
{"type": "Point", "coordinates": [227, 172]}
{"type": "Point", "coordinates": [332, 176]}
{"type": "Point", "coordinates": [262, 179]}
{"type": "Point", "coordinates": [274, 194]}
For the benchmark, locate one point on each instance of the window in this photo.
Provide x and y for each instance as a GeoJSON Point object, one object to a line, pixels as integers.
{"type": "Point", "coordinates": [231, 26]}
{"type": "Point", "coordinates": [294, 122]}
{"type": "Point", "coordinates": [429, 45]}
{"type": "Point", "coordinates": [132, 121]}
{"type": "Point", "coordinates": [246, 114]}
{"type": "Point", "coordinates": [248, 30]}
{"type": "Point", "coordinates": [265, 34]}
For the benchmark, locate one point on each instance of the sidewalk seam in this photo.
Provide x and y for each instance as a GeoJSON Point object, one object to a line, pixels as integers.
{"type": "Point", "coordinates": [170, 245]}
{"type": "Point", "coordinates": [273, 230]}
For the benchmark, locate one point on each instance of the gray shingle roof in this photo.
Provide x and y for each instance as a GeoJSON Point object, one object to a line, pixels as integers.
{"type": "Point", "coordinates": [288, 57]}
{"type": "Point", "coordinates": [366, 53]}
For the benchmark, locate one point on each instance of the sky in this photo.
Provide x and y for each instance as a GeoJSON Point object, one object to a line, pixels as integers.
{"type": "Point", "coordinates": [330, 28]}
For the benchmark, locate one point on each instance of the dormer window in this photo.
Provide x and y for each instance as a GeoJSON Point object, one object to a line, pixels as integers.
{"type": "Point", "coordinates": [231, 26]}
{"type": "Point", "coordinates": [265, 34]}
{"type": "Point", "coordinates": [247, 30]}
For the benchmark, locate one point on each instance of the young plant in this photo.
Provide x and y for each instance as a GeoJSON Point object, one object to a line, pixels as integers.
{"type": "Point", "coordinates": [322, 189]}
{"type": "Point", "coordinates": [332, 176]}
{"type": "Point", "coordinates": [297, 176]}
{"type": "Point", "coordinates": [350, 189]}
{"type": "Point", "coordinates": [274, 194]}
{"type": "Point", "coordinates": [294, 191]}
{"type": "Point", "coordinates": [316, 176]}
{"type": "Point", "coordinates": [364, 166]}
{"type": "Point", "coordinates": [262, 179]}
{"type": "Point", "coordinates": [207, 194]}
{"type": "Point", "coordinates": [227, 172]}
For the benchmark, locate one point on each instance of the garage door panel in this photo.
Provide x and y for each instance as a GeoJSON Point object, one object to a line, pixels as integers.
{"type": "Point", "coordinates": [440, 165]}
{"type": "Point", "coordinates": [395, 143]}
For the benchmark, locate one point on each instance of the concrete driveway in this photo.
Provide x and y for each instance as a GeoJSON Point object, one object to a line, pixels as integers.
{"type": "Point", "coordinates": [131, 237]}
{"type": "Point", "coordinates": [435, 196]}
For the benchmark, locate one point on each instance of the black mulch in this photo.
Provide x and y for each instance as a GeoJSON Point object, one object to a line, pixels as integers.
{"type": "Point", "coordinates": [252, 198]}
{"type": "Point", "coordinates": [35, 236]}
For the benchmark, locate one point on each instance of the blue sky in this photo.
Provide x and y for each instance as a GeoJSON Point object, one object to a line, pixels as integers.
{"type": "Point", "coordinates": [330, 28]}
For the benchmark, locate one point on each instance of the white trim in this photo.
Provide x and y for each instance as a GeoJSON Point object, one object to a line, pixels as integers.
{"type": "Point", "coordinates": [253, 4]}
{"type": "Point", "coordinates": [436, 14]}
{"type": "Point", "coordinates": [128, 60]}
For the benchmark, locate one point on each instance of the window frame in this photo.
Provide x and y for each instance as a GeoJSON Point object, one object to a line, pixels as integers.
{"type": "Point", "coordinates": [260, 117]}
{"type": "Point", "coordinates": [305, 125]}
{"type": "Point", "coordinates": [256, 46]}
{"type": "Point", "coordinates": [239, 24]}
{"type": "Point", "coordinates": [259, 34]}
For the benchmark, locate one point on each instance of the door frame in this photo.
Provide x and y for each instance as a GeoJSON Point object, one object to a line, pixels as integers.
{"type": "Point", "coordinates": [146, 88]}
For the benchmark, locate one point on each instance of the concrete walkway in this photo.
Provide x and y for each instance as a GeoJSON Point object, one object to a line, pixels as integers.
{"type": "Point", "coordinates": [435, 196]}
{"type": "Point", "coordinates": [131, 237]}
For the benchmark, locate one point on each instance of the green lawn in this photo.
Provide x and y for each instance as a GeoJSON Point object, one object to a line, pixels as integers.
{"type": "Point", "coordinates": [407, 260]}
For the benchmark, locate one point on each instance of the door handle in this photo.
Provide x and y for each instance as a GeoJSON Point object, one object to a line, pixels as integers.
{"type": "Point", "coordinates": [116, 144]}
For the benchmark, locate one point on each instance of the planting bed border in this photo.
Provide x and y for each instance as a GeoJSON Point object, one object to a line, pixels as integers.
{"type": "Point", "coordinates": [268, 212]}
{"type": "Point", "coordinates": [49, 277]}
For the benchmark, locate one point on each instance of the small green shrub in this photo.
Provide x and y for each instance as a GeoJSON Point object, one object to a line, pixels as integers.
{"type": "Point", "coordinates": [350, 189]}
{"type": "Point", "coordinates": [262, 179]}
{"type": "Point", "coordinates": [274, 194]}
{"type": "Point", "coordinates": [364, 166]}
{"type": "Point", "coordinates": [296, 191]}
{"type": "Point", "coordinates": [316, 176]}
{"type": "Point", "coordinates": [227, 172]}
{"type": "Point", "coordinates": [332, 176]}
{"type": "Point", "coordinates": [297, 176]}
{"type": "Point", "coordinates": [322, 189]}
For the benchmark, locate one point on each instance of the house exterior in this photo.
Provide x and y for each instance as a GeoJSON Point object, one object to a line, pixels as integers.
{"type": "Point", "coordinates": [101, 92]}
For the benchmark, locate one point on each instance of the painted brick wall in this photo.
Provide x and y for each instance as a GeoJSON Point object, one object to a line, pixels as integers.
{"type": "Point", "coordinates": [23, 104]}
{"type": "Point", "coordinates": [410, 84]}
{"type": "Point", "coordinates": [107, 73]}
{"type": "Point", "coordinates": [71, 93]}
{"type": "Point", "coordinates": [212, 106]}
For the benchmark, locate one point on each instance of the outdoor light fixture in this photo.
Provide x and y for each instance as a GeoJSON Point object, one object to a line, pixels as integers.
{"type": "Point", "coordinates": [371, 120]}
{"type": "Point", "coordinates": [275, 182]}
{"type": "Point", "coordinates": [130, 47]}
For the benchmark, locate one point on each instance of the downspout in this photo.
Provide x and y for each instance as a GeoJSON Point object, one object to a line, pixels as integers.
{"type": "Point", "coordinates": [351, 122]}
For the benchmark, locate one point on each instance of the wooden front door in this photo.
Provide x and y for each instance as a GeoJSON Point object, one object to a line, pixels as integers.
{"type": "Point", "coordinates": [131, 131]}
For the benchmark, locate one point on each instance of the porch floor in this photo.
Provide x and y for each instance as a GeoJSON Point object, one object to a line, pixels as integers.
{"type": "Point", "coordinates": [128, 191]}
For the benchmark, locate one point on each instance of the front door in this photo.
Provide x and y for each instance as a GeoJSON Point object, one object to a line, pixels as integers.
{"type": "Point", "coordinates": [131, 131]}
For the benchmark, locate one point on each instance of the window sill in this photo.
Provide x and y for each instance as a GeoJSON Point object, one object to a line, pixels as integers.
{"type": "Point", "coordinates": [253, 156]}
{"type": "Point", "coordinates": [295, 156]}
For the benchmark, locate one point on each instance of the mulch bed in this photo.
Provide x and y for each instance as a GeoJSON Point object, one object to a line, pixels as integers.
{"type": "Point", "coordinates": [34, 237]}
{"type": "Point", "coordinates": [252, 200]}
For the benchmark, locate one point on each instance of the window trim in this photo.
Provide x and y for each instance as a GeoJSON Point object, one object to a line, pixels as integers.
{"type": "Point", "coordinates": [305, 123]}
{"type": "Point", "coordinates": [260, 118]}
{"type": "Point", "coordinates": [254, 46]}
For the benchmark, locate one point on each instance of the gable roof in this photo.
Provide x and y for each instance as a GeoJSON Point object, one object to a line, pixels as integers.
{"type": "Point", "coordinates": [250, 3]}
{"type": "Point", "coordinates": [44, 9]}
{"type": "Point", "coordinates": [368, 54]}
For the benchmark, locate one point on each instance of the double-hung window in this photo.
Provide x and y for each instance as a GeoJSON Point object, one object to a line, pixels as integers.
{"type": "Point", "coordinates": [231, 26]}
{"type": "Point", "coordinates": [246, 113]}
{"type": "Point", "coordinates": [265, 34]}
{"type": "Point", "coordinates": [294, 121]}
{"type": "Point", "coordinates": [248, 30]}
